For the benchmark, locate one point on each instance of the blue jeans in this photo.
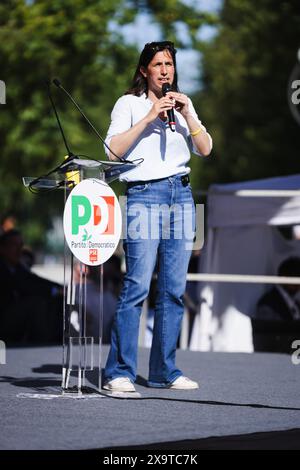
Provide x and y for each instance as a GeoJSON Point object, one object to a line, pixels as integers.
{"type": "Point", "coordinates": [153, 231]}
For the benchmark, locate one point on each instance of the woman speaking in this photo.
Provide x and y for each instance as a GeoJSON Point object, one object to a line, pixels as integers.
{"type": "Point", "coordinates": [160, 191]}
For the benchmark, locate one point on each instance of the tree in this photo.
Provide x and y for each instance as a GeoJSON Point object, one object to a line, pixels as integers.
{"type": "Point", "coordinates": [41, 40]}
{"type": "Point", "coordinates": [243, 101]}
{"type": "Point", "coordinates": [72, 40]}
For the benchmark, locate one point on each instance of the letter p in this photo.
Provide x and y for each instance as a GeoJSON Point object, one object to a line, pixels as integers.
{"type": "Point", "coordinates": [81, 212]}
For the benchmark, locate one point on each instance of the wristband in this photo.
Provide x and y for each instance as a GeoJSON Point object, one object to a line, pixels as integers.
{"type": "Point", "coordinates": [194, 133]}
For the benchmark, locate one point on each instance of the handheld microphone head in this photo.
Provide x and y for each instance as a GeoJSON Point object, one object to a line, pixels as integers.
{"type": "Point", "coordinates": [56, 82]}
{"type": "Point", "coordinates": [171, 116]}
{"type": "Point", "coordinates": [165, 88]}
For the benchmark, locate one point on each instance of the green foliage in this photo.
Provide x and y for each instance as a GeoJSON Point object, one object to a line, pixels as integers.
{"type": "Point", "coordinates": [39, 40]}
{"type": "Point", "coordinates": [73, 41]}
{"type": "Point", "coordinates": [243, 101]}
{"type": "Point", "coordinates": [169, 14]}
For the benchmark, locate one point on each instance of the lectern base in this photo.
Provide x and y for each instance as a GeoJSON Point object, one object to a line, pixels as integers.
{"type": "Point", "coordinates": [51, 396]}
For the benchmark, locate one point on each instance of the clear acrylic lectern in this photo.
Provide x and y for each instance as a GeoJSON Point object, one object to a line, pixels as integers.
{"type": "Point", "coordinates": [81, 363]}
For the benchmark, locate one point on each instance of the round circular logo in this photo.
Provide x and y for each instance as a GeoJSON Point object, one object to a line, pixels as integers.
{"type": "Point", "coordinates": [92, 221]}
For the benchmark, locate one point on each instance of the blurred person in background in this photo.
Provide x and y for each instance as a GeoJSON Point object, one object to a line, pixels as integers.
{"type": "Point", "coordinates": [112, 278]}
{"type": "Point", "coordinates": [31, 307]}
{"type": "Point", "coordinates": [8, 222]}
{"type": "Point", "coordinates": [277, 320]}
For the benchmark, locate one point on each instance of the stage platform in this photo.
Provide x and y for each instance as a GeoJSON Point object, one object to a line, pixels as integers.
{"type": "Point", "coordinates": [245, 401]}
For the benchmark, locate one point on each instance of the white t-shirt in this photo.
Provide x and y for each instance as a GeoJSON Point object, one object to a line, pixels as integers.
{"type": "Point", "coordinates": [165, 153]}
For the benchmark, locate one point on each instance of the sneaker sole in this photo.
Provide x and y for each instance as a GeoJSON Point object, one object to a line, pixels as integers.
{"type": "Point", "coordinates": [118, 389]}
{"type": "Point", "coordinates": [188, 387]}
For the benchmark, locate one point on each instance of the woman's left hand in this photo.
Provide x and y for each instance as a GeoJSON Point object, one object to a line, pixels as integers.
{"type": "Point", "coordinates": [181, 102]}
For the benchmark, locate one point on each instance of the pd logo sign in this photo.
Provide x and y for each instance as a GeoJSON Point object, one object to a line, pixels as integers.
{"type": "Point", "coordinates": [92, 221]}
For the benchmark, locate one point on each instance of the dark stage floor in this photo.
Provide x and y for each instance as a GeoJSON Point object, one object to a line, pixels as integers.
{"type": "Point", "coordinates": [244, 401]}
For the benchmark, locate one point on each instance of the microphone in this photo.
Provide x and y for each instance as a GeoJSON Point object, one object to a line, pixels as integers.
{"type": "Point", "coordinates": [71, 155]}
{"type": "Point", "coordinates": [59, 85]}
{"type": "Point", "coordinates": [56, 82]}
{"type": "Point", "coordinates": [171, 117]}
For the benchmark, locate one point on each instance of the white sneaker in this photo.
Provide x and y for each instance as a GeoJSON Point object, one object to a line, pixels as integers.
{"type": "Point", "coordinates": [183, 383]}
{"type": "Point", "coordinates": [119, 384]}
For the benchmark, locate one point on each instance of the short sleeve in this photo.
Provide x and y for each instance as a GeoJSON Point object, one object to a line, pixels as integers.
{"type": "Point", "coordinates": [121, 119]}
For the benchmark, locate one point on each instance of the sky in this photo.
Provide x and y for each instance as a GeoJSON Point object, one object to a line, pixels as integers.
{"type": "Point", "coordinates": [144, 30]}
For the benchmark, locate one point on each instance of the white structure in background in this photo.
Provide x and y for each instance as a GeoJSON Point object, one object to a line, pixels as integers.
{"type": "Point", "coordinates": [2, 92]}
{"type": "Point", "coordinates": [242, 238]}
{"type": "Point", "coordinates": [2, 352]}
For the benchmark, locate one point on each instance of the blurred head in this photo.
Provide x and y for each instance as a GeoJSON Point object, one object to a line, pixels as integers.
{"type": "Point", "coordinates": [8, 222]}
{"type": "Point", "coordinates": [11, 245]}
{"type": "Point", "coordinates": [290, 268]}
{"type": "Point", "coordinates": [157, 62]}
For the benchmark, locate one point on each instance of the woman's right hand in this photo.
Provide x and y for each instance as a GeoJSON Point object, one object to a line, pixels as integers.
{"type": "Point", "coordinates": [160, 108]}
{"type": "Point", "coordinates": [121, 143]}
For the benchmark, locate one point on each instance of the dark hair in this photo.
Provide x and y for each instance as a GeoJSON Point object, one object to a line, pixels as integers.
{"type": "Point", "coordinates": [139, 82]}
{"type": "Point", "coordinates": [5, 237]}
{"type": "Point", "coordinates": [290, 267]}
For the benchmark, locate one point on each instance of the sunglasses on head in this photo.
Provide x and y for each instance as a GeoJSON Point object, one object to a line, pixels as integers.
{"type": "Point", "coordinates": [158, 46]}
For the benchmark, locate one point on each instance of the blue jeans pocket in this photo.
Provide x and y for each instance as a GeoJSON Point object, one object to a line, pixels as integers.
{"type": "Point", "coordinates": [137, 188]}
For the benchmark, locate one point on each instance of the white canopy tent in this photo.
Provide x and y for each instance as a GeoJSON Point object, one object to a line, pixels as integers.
{"type": "Point", "coordinates": [242, 238]}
